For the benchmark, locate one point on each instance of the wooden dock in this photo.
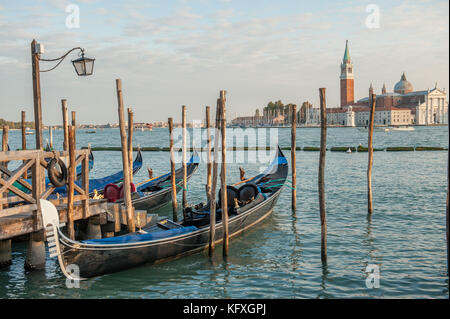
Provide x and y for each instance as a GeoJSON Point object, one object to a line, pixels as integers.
{"type": "Point", "coordinates": [20, 213]}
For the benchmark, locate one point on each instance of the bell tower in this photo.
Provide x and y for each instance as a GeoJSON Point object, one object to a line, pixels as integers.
{"type": "Point", "coordinates": [347, 79]}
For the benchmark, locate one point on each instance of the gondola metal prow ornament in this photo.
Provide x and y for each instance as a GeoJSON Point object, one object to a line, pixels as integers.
{"type": "Point", "coordinates": [50, 219]}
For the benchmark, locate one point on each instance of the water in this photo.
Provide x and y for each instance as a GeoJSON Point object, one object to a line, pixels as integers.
{"type": "Point", "coordinates": [280, 258]}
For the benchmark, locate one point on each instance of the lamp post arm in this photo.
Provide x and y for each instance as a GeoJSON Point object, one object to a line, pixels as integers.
{"type": "Point", "coordinates": [60, 59]}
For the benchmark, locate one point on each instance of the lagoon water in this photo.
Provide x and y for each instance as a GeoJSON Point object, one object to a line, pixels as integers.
{"type": "Point", "coordinates": [280, 258]}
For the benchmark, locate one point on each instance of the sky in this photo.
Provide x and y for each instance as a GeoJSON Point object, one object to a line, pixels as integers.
{"type": "Point", "coordinates": [174, 53]}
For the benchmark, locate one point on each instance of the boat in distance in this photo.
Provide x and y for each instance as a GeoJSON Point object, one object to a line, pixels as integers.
{"type": "Point", "coordinates": [166, 240]}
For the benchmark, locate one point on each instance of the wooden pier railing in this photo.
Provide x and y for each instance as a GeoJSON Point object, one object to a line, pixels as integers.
{"type": "Point", "coordinates": [26, 198]}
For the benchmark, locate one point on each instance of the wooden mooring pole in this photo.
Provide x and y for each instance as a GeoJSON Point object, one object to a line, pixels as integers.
{"type": "Point", "coordinates": [293, 160]}
{"type": "Point", "coordinates": [223, 172]}
{"type": "Point", "coordinates": [65, 124]}
{"type": "Point", "coordinates": [50, 136]}
{"type": "Point", "coordinates": [172, 172]}
{"type": "Point", "coordinates": [183, 125]}
{"type": "Point", "coordinates": [130, 142]}
{"type": "Point", "coordinates": [208, 158]}
{"type": "Point", "coordinates": [4, 149]}
{"type": "Point", "coordinates": [36, 95]}
{"type": "Point", "coordinates": [321, 182]}
{"type": "Point", "coordinates": [71, 182]}
{"type": "Point", "coordinates": [125, 160]}
{"type": "Point", "coordinates": [448, 189]}
{"type": "Point", "coordinates": [373, 99]}
{"type": "Point", "coordinates": [24, 139]}
{"type": "Point", "coordinates": [212, 193]}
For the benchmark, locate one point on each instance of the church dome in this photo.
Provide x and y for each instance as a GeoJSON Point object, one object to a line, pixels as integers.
{"type": "Point", "coordinates": [403, 86]}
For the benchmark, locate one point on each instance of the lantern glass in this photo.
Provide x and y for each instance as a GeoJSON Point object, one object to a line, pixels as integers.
{"type": "Point", "coordinates": [84, 66]}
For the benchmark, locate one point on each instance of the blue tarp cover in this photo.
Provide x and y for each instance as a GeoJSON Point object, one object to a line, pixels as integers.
{"type": "Point", "coordinates": [142, 237]}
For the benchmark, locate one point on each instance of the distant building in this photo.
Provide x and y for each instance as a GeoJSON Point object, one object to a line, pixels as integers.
{"type": "Point", "coordinates": [401, 107]}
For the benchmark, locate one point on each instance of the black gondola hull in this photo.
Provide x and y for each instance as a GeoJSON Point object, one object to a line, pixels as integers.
{"type": "Point", "coordinates": [98, 260]}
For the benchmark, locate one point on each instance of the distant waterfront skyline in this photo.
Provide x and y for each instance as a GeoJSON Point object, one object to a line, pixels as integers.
{"type": "Point", "coordinates": [177, 52]}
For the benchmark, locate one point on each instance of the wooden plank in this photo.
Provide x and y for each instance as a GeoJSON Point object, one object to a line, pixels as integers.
{"type": "Point", "coordinates": [19, 180]}
{"type": "Point", "coordinates": [17, 174]}
{"type": "Point", "coordinates": [47, 192]}
{"type": "Point", "coordinates": [18, 192]}
{"type": "Point", "coordinates": [78, 188]}
{"type": "Point", "coordinates": [17, 210]}
{"type": "Point", "coordinates": [23, 223]}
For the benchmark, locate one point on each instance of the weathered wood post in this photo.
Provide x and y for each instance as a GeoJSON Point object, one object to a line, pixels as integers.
{"type": "Point", "coordinates": [5, 137]}
{"type": "Point", "coordinates": [50, 136]}
{"type": "Point", "coordinates": [223, 172]}
{"type": "Point", "coordinates": [183, 125]}
{"type": "Point", "coordinates": [74, 122]}
{"type": "Point", "coordinates": [130, 142]}
{"type": "Point", "coordinates": [5, 253]}
{"type": "Point", "coordinates": [71, 182]}
{"type": "Point", "coordinates": [36, 94]}
{"type": "Point", "coordinates": [172, 172]}
{"type": "Point", "coordinates": [35, 258]}
{"type": "Point", "coordinates": [293, 160]}
{"type": "Point", "coordinates": [125, 160]}
{"type": "Point", "coordinates": [323, 149]}
{"type": "Point", "coordinates": [65, 124]}
{"type": "Point", "coordinates": [5, 245]}
{"type": "Point", "coordinates": [373, 99]}
{"type": "Point", "coordinates": [208, 160]}
{"type": "Point", "coordinates": [448, 188]}
{"type": "Point", "coordinates": [24, 138]}
{"type": "Point", "coordinates": [212, 193]}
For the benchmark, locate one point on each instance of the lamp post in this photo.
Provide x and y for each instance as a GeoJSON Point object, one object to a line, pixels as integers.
{"type": "Point", "coordinates": [83, 66]}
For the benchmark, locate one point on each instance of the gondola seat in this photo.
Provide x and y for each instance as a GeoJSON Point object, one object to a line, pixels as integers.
{"type": "Point", "coordinates": [258, 199]}
{"type": "Point", "coordinates": [248, 192]}
{"type": "Point", "coordinates": [232, 194]}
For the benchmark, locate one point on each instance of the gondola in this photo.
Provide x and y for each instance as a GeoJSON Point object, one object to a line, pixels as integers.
{"type": "Point", "coordinates": [158, 191]}
{"type": "Point", "coordinates": [165, 240]}
{"type": "Point", "coordinates": [98, 184]}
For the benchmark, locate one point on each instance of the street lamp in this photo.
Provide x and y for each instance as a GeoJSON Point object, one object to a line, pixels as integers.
{"type": "Point", "coordinates": [83, 66]}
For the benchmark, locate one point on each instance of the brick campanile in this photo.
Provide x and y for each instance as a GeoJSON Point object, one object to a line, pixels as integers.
{"type": "Point", "coordinates": [347, 79]}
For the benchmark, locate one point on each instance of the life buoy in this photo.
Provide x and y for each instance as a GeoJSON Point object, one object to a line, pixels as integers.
{"type": "Point", "coordinates": [57, 181]}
